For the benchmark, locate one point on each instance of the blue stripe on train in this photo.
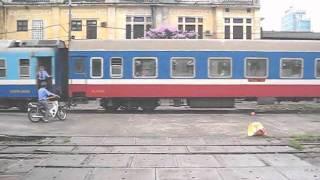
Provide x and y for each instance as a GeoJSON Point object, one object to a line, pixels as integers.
{"type": "Point", "coordinates": [18, 91]}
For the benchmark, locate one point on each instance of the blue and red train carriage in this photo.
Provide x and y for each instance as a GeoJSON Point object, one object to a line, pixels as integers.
{"type": "Point", "coordinates": [202, 73]}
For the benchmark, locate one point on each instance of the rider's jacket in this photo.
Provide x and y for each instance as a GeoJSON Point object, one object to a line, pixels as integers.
{"type": "Point", "coordinates": [43, 94]}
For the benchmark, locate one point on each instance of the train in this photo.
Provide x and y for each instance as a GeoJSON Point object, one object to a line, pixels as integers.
{"type": "Point", "coordinates": [146, 73]}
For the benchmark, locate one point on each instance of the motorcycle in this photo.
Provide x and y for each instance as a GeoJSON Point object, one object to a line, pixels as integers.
{"type": "Point", "coordinates": [36, 111]}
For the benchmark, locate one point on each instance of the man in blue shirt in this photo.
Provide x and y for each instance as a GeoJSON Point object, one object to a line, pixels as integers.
{"type": "Point", "coordinates": [42, 75]}
{"type": "Point", "coordinates": [43, 95]}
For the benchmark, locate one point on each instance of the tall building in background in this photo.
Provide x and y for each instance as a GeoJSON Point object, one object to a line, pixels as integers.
{"type": "Point", "coordinates": [295, 20]}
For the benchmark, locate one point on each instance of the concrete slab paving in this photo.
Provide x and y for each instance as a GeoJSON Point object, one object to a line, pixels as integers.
{"type": "Point", "coordinates": [153, 160]}
{"type": "Point", "coordinates": [6, 163]}
{"type": "Point", "coordinates": [23, 166]}
{"type": "Point", "coordinates": [64, 160]}
{"type": "Point", "coordinates": [149, 149]}
{"type": "Point", "coordinates": [57, 149]}
{"type": "Point", "coordinates": [11, 177]}
{"type": "Point", "coordinates": [282, 160]}
{"type": "Point", "coordinates": [187, 174]}
{"type": "Point", "coordinates": [19, 149]}
{"type": "Point", "coordinates": [239, 160]}
{"type": "Point", "coordinates": [206, 149]}
{"type": "Point", "coordinates": [300, 173]}
{"type": "Point", "coordinates": [59, 173]}
{"type": "Point", "coordinates": [118, 141]}
{"type": "Point", "coordinates": [195, 161]}
{"type": "Point", "coordinates": [86, 140]}
{"type": "Point", "coordinates": [152, 140]}
{"type": "Point", "coordinates": [277, 149]}
{"type": "Point", "coordinates": [111, 160]}
{"type": "Point", "coordinates": [254, 173]}
{"type": "Point", "coordinates": [123, 174]}
{"type": "Point", "coordinates": [214, 140]}
{"type": "Point", "coordinates": [186, 141]}
{"type": "Point", "coordinates": [103, 149]}
{"type": "Point", "coordinates": [84, 149]}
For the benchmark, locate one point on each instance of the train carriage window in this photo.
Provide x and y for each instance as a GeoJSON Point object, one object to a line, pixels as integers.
{"type": "Point", "coordinates": [183, 67]}
{"type": "Point", "coordinates": [256, 68]}
{"type": "Point", "coordinates": [96, 67]}
{"type": "Point", "coordinates": [145, 67]}
{"type": "Point", "coordinates": [219, 67]}
{"type": "Point", "coordinates": [291, 68]}
{"type": "Point", "coordinates": [317, 68]}
{"type": "Point", "coordinates": [24, 65]}
{"type": "Point", "coordinates": [2, 68]}
{"type": "Point", "coordinates": [79, 66]}
{"type": "Point", "coordinates": [116, 67]}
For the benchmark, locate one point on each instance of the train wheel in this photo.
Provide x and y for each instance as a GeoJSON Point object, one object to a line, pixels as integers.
{"type": "Point", "coordinates": [149, 106]}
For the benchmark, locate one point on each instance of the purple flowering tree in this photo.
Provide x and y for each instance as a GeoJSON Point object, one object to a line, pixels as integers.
{"type": "Point", "coordinates": [164, 32]}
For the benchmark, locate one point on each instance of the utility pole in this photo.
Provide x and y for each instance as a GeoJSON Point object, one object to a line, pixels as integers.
{"type": "Point", "coordinates": [70, 21]}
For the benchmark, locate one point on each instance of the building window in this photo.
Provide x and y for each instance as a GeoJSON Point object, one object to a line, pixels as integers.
{"type": "Point", "coordinates": [291, 68]}
{"type": "Point", "coordinates": [219, 67]}
{"type": "Point", "coordinates": [191, 24]}
{"type": "Point", "coordinates": [76, 25]}
{"type": "Point", "coordinates": [145, 67]}
{"type": "Point", "coordinates": [37, 29]}
{"type": "Point", "coordinates": [317, 68]}
{"type": "Point", "coordinates": [240, 28]}
{"type": "Point", "coordinates": [91, 29]}
{"type": "Point", "coordinates": [227, 32]}
{"type": "Point", "coordinates": [237, 32]}
{"type": "Point", "coordinates": [116, 67]}
{"type": "Point", "coordinates": [256, 68]}
{"type": "Point", "coordinates": [24, 67]}
{"type": "Point", "coordinates": [22, 25]}
{"type": "Point", "coordinates": [3, 68]}
{"type": "Point", "coordinates": [79, 66]}
{"type": "Point", "coordinates": [137, 26]}
{"type": "Point", "coordinates": [96, 67]}
{"type": "Point", "coordinates": [183, 67]}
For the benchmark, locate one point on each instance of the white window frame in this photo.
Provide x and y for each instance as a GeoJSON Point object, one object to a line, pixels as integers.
{"type": "Point", "coordinates": [196, 24]}
{"type": "Point", "coordinates": [145, 23]}
{"type": "Point", "coordinates": [5, 68]}
{"type": "Point", "coordinates": [244, 25]}
{"type": "Point", "coordinates": [29, 70]}
{"type": "Point", "coordinates": [302, 68]}
{"type": "Point", "coordinates": [110, 70]}
{"type": "Point", "coordinates": [96, 77]}
{"type": "Point", "coordinates": [315, 67]}
{"type": "Point", "coordinates": [182, 77]}
{"type": "Point", "coordinates": [144, 77]}
{"type": "Point", "coordinates": [220, 58]}
{"type": "Point", "coordinates": [256, 58]}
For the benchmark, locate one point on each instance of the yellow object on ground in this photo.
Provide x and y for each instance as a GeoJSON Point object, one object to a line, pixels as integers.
{"type": "Point", "coordinates": [256, 129]}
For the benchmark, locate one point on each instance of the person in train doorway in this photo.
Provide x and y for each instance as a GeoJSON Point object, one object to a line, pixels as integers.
{"type": "Point", "coordinates": [43, 97]}
{"type": "Point", "coordinates": [42, 76]}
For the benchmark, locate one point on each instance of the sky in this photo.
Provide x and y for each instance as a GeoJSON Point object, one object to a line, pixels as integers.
{"type": "Point", "coordinates": [273, 10]}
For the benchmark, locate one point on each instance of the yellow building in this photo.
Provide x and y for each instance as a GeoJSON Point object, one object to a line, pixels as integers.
{"type": "Point", "coordinates": [118, 19]}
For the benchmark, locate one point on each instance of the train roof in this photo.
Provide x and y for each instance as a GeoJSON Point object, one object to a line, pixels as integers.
{"type": "Point", "coordinates": [194, 45]}
{"type": "Point", "coordinates": [4, 44]}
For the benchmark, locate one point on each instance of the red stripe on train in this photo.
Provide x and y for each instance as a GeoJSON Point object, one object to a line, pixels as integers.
{"type": "Point", "coordinates": [197, 90]}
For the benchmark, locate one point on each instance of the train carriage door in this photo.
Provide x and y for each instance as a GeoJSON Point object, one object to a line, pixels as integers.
{"type": "Point", "coordinates": [46, 62]}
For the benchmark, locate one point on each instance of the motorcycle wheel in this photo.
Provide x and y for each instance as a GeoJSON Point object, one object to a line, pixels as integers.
{"type": "Point", "coordinates": [31, 114]}
{"type": "Point", "coordinates": [62, 114]}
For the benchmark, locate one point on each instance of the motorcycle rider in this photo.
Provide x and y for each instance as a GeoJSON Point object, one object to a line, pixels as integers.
{"type": "Point", "coordinates": [43, 97]}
